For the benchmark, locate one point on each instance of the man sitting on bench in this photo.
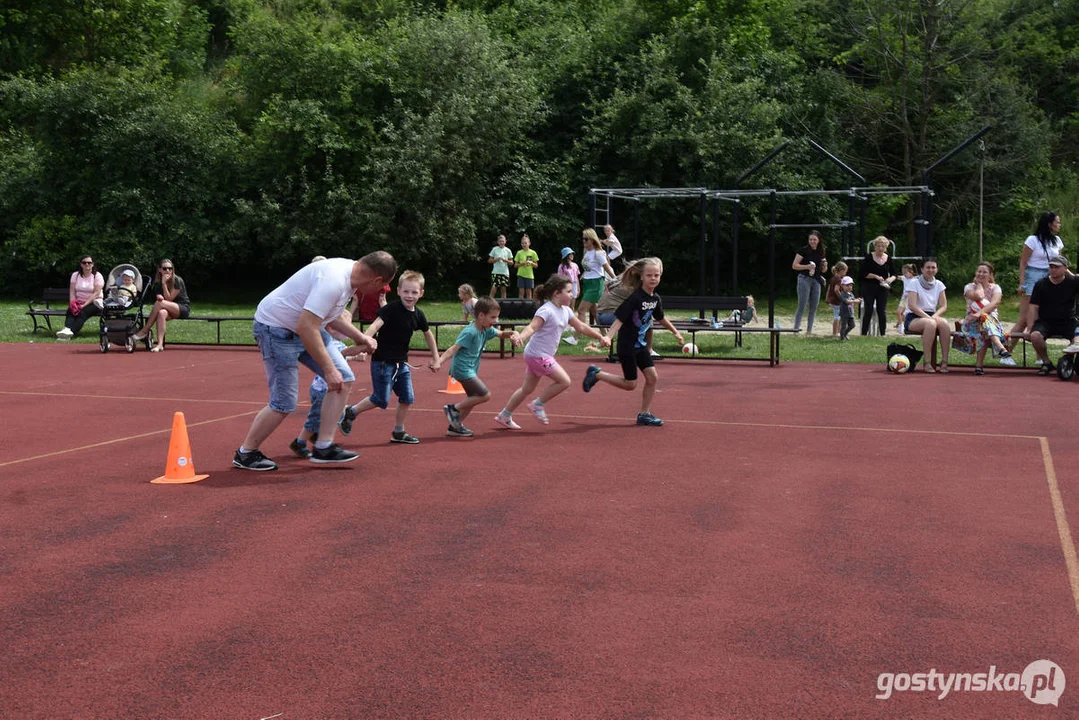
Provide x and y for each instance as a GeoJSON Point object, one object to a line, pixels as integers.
{"type": "Point", "coordinates": [1052, 311]}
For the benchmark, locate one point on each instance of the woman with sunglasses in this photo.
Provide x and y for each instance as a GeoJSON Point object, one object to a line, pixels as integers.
{"type": "Point", "coordinates": [171, 303]}
{"type": "Point", "coordinates": [84, 298]}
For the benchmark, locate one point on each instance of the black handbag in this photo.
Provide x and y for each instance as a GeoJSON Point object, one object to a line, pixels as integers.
{"type": "Point", "coordinates": [912, 353]}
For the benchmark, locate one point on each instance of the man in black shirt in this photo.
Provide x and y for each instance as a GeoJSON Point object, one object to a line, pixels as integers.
{"type": "Point", "coordinates": [1052, 310]}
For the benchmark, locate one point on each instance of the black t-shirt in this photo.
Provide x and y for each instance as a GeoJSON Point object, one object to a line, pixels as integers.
{"type": "Point", "coordinates": [636, 314]}
{"type": "Point", "coordinates": [1055, 301]}
{"type": "Point", "coordinates": [398, 324]}
{"type": "Point", "coordinates": [810, 255]}
{"type": "Point", "coordinates": [177, 284]}
{"type": "Point", "coordinates": [870, 266]}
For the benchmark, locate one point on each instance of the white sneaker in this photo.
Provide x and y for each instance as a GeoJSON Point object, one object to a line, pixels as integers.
{"type": "Point", "coordinates": [65, 334]}
{"type": "Point", "coordinates": [507, 422]}
{"type": "Point", "coordinates": [1007, 360]}
{"type": "Point", "coordinates": [1072, 349]}
{"type": "Point", "coordinates": [1039, 362]}
{"type": "Point", "coordinates": [653, 353]}
{"type": "Point", "coordinates": [569, 340]}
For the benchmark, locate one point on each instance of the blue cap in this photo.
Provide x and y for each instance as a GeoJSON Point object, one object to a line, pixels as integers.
{"type": "Point", "coordinates": [566, 251]}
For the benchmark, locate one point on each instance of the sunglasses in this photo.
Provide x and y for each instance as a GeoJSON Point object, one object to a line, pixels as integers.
{"type": "Point", "coordinates": [87, 262]}
{"type": "Point", "coordinates": [166, 267]}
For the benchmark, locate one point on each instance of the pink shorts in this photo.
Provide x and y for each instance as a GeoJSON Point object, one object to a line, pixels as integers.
{"type": "Point", "coordinates": [542, 365]}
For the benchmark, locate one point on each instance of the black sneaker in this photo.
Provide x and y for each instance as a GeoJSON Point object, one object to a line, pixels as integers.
{"type": "Point", "coordinates": [403, 437]}
{"type": "Point", "coordinates": [1046, 369]}
{"type": "Point", "coordinates": [347, 417]}
{"type": "Point", "coordinates": [459, 431]}
{"type": "Point", "coordinates": [253, 460]}
{"type": "Point", "coordinates": [590, 380]}
{"type": "Point", "coordinates": [453, 415]}
{"type": "Point", "coordinates": [299, 448]}
{"type": "Point", "coordinates": [333, 454]}
{"type": "Point", "coordinates": [648, 419]}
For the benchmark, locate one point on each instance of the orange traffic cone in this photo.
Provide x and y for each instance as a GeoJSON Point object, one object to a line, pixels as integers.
{"type": "Point", "coordinates": [453, 387]}
{"type": "Point", "coordinates": [180, 468]}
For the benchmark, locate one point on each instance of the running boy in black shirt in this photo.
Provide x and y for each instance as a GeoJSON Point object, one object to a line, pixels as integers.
{"type": "Point", "coordinates": [389, 364]}
{"type": "Point", "coordinates": [633, 320]}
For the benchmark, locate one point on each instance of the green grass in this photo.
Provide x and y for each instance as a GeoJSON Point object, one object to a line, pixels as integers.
{"type": "Point", "coordinates": [15, 326]}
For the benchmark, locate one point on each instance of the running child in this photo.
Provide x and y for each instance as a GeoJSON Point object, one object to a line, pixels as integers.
{"type": "Point", "coordinates": [465, 356]}
{"type": "Point", "coordinates": [467, 296]}
{"type": "Point", "coordinates": [633, 320]}
{"type": "Point", "coordinates": [389, 363]}
{"type": "Point", "coordinates": [542, 335]}
{"type": "Point", "coordinates": [317, 393]}
{"type": "Point", "coordinates": [910, 278]}
{"type": "Point", "coordinates": [570, 270]}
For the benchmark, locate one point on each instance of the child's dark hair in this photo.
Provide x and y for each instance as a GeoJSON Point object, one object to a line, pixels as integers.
{"type": "Point", "coordinates": [554, 283]}
{"type": "Point", "coordinates": [485, 304]}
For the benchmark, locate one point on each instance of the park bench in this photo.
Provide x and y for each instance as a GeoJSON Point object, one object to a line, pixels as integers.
{"type": "Point", "coordinates": [715, 305]}
{"type": "Point", "coordinates": [44, 309]}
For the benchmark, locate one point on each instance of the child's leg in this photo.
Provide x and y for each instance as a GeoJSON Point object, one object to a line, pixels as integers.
{"type": "Point", "coordinates": [402, 413]}
{"type": "Point", "coordinates": [363, 406]}
{"type": "Point", "coordinates": [649, 390]}
{"type": "Point", "coordinates": [560, 380]}
{"type": "Point", "coordinates": [518, 396]}
{"type": "Point", "coordinates": [477, 394]}
{"type": "Point", "coordinates": [628, 380]}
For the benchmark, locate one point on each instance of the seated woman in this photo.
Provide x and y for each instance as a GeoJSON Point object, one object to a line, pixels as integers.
{"type": "Point", "coordinates": [981, 327]}
{"type": "Point", "coordinates": [172, 302]}
{"type": "Point", "coordinates": [926, 306]}
{"type": "Point", "coordinates": [84, 298]}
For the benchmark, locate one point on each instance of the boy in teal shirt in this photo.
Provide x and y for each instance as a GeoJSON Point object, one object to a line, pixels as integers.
{"type": "Point", "coordinates": [526, 260]}
{"type": "Point", "coordinates": [465, 355]}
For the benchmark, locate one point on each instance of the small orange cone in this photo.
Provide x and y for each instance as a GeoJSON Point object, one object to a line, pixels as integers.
{"type": "Point", "coordinates": [453, 387]}
{"type": "Point", "coordinates": [180, 468]}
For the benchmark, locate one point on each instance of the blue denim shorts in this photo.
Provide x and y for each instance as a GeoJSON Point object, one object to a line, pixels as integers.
{"type": "Point", "coordinates": [1032, 276]}
{"type": "Point", "coordinates": [387, 376]}
{"type": "Point", "coordinates": [282, 352]}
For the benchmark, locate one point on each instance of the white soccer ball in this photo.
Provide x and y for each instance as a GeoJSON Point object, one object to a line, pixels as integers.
{"type": "Point", "coordinates": [898, 363]}
{"type": "Point", "coordinates": [689, 349]}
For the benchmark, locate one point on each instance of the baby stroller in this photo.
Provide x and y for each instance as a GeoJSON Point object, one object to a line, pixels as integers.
{"type": "Point", "coordinates": [121, 313]}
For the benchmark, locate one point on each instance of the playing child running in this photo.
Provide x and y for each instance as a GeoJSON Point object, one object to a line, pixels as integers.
{"type": "Point", "coordinates": [465, 355]}
{"type": "Point", "coordinates": [389, 364]}
{"type": "Point", "coordinates": [542, 335]}
{"type": "Point", "coordinates": [633, 320]}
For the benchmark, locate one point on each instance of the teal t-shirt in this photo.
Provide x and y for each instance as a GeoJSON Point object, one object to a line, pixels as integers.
{"type": "Point", "coordinates": [466, 361]}
{"type": "Point", "coordinates": [503, 256]}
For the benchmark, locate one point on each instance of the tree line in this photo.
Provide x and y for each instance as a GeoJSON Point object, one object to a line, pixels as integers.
{"type": "Point", "coordinates": [243, 137]}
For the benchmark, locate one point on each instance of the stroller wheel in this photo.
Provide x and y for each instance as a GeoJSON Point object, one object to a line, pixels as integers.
{"type": "Point", "coordinates": [104, 343]}
{"type": "Point", "coordinates": [1066, 367]}
{"type": "Point", "coordinates": [129, 343]}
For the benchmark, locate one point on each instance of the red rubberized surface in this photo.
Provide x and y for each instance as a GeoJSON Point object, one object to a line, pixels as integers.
{"type": "Point", "coordinates": [788, 536]}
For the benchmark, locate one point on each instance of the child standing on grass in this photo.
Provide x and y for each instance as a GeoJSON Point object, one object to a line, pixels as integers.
{"type": "Point", "coordinates": [542, 335]}
{"type": "Point", "coordinates": [571, 271]}
{"type": "Point", "coordinates": [465, 356]}
{"type": "Point", "coordinates": [467, 296]}
{"type": "Point", "coordinates": [846, 306]}
{"type": "Point", "coordinates": [390, 370]}
{"type": "Point", "coordinates": [633, 320]}
{"type": "Point", "coordinates": [910, 278]}
{"type": "Point", "coordinates": [526, 261]}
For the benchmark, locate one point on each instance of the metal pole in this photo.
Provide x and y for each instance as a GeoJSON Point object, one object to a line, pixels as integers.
{"type": "Point", "coordinates": [981, 202]}
{"type": "Point", "coordinates": [735, 230]}
{"type": "Point", "coordinates": [704, 239]}
{"type": "Point", "coordinates": [772, 264]}
{"type": "Point", "coordinates": [591, 208]}
{"type": "Point", "coordinates": [715, 246]}
{"type": "Point", "coordinates": [767, 158]}
{"type": "Point", "coordinates": [836, 160]}
{"type": "Point", "coordinates": [636, 229]}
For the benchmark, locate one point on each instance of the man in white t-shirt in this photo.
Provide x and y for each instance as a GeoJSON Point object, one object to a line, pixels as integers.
{"type": "Point", "coordinates": [613, 243]}
{"type": "Point", "coordinates": [291, 327]}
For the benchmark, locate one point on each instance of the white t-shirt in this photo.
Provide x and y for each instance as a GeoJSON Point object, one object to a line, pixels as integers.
{"type": "Point", "coordinates": [544, 342]}
{"type": "Point", "coordinates": [1039, 258]}
{"type": "Point", "coordinates": [322, 288]}
{"type": "Point", "coordinates": [615, 246]}
{"type": "Point", "coordinates": [593, 261]}
{"type": "Point", "coordinates": [926, 299]}
{"type": "Point", "coordinates": [908, 284]}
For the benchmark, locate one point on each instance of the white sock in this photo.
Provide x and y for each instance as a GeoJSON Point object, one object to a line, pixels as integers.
{"type": "Point", "coordinates": [322, 444]}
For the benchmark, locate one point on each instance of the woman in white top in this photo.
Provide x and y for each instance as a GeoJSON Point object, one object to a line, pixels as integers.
{"type": "Point", "coordinates": [1034, 265]}
{"type": "Point", "coordinates": [84, 297]}
{"type": "Point", "coordinates": [926, 306]}
{"type": "Point", "coordinates": [594, 266]}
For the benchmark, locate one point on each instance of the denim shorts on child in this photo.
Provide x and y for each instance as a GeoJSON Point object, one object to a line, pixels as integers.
{"type": "Point", "coordinates": [387, 376]}
{"type": "Point", "coordinates": [282, 352]}
{"type": "Point", "coordinates": [835, 311]}
{"type": "Point", "coordinates": [541, 365]}
{"type": "Point", "coordinates": [1032, 276]}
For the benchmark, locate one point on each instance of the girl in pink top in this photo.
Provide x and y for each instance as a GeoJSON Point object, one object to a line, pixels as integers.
{"type": "Point", "coordinates": [571, 271]}
{"type": "Point", "coordinates": [84, 294]}
{"type": "Point", "coordinates": [542, 335]}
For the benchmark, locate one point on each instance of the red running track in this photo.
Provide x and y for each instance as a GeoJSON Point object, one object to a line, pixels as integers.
{"type": "Point", "coordinates": [789, 536]}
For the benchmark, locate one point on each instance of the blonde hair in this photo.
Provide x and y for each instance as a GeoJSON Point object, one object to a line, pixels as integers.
{"type": "Point", "coordinates": [468, 290]}
{"type": "Point", "coordinates": [411, 276]}
{"type": "Point", "coordinates": [911, 268]}
{"type": "Point", "coordinates": [592, 239]}
{"type": "Point", "coordinates": [881, 239]}
{"type": "Point", "coordinates": [631, 276]}
{"type": "Point", "coordinates": [839, 267]}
